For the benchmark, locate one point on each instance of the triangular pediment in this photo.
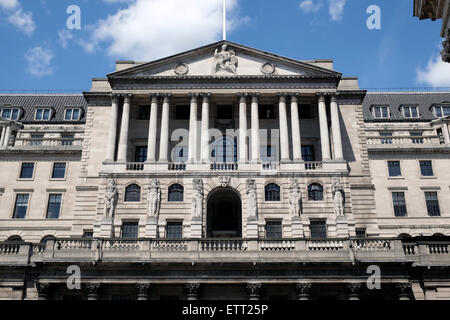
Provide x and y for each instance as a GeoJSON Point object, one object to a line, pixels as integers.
{"type": "Point", "coordinates": [225, 58]}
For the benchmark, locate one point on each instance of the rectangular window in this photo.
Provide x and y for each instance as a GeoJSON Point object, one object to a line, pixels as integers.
{"type": "Point", "coordinates": [308, 153]}
{"type": "Point", "coordinates": [180, 155]}
{"type": "Point", "coordinates": [394, 169]}
{"type": "Point", "coordinates": [88, 234]}
{"type": "Point", "coordinates": [361, 233]}
{"type": "Point", "coordinates": [318, 229]}
{"type": "Point", "coordinates": [21, 206]}
{"type": "Point", "coordinates": [54, 206]}
{"type": "Point", "coordinates": [274, 230]}
{"type": "Point", "coordinates": [174, 230]}
{"type": "Point", "coordinates": [72, 114]}
{"type": "Point", "coordinates": [268, 153]}
{"type": "Point", "coordinates": [426, 168]}
{"type": "Point", "coordinates": [182, 112]}
{"type": "Point", "coordinates": [398, 199]}
{"type": "Point", "coordinates": [26, 172]}
{"type": "Point", "coordinates": [144, 113]}
{"type": "Point", "coordinates": [386, 137]}
{"type": "Point", "coordinates": [130, 230]}
{"type": "Point", "coordinates": [410, 112]}
{"type": "Point", "coordinates": [442, 111]}
{"type": "Point", "coordinates": [266, 112]}
{"type": "Point", "coordinates": [43, 114]}
{"type": "Point", "coordinates": [432, 204]}
{"type": "Point", "coordinates": [36, 139]}
{"type": "Point", "coordinates": [224, 112]}
{"type": "Point", "coordinates": [67, 139]}
{"type": "Point", "coordinates": [305, 111]}
{"type": "Point", "coordinates": [59, 170]}
{"type": "Point", "coordinates": [380, 112]}
{"type": "Point", "coordinates": [141, 154]}
{"type": "Point", "coordinates": [416, 137]}
{"type": "Point", "coordinates": [10, 114]}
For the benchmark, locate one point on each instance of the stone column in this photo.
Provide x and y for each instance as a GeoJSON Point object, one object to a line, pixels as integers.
{"type": "Point", "coordinates": [335, 123]}
{"type": "Point", "coordinates": [123, 140]}
{"type": "Point", "coordinates": [284, 133]}
{"type": "Point", "coordinates": [192, 291]}
{"type": "Point", "coordinates": [253, 290]}
{"type": "Point", "coordinates": [142, 291]}
{"type": "Point", "coordinates": [2, 139]}
{"type": "Point", "coordinates": [445, 133]}
{"type": "Point", "coordinates": [353, 290]}
{"type": "Point", "coordinates": [193, 129]}
{"type": "Point", "coordinates": [92, 289]}
{"type": "Point", "coordinates": [243, 146]}
{"type": "Point", "coordinates": [205, 129]}
{"type": "Point", "coordinates": [303, 290]}
{"type": "Point", "coordinates": [42, 289]}
{"type": "Point", "coordinates": [255, 129]}
{"type": "Point", "coordinates": [7, 136]}
{"type": "Point", "coordinates": [404, 291]}
{"type": "Point", "coordinates": [295, 124]}
{"type": "Point", "coordinates": [112, 135]}
{"type": "Point", "coordinates": [324, 134]}
{"type": "Point", "coordinates": [152, 129]}
{"type": "Point", "coordinates": [164, 139]}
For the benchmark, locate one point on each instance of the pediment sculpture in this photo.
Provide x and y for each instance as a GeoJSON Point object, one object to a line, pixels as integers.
{"type": "Point", "coordinates": [225, 60]}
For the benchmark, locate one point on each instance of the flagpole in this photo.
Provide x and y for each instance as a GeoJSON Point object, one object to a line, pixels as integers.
{"type": "Point", "coordinates": [224, 19]}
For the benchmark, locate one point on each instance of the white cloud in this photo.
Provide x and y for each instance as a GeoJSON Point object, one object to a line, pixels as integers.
{"type": "Point", "coordinates": [64, 36]}
{"type": "Point", "coordinates": [436, 73]}
{"type": "Point", "coordinates": [308, 6]}
{"type": "Point", "coordinates": [336, 9]}
{"type": "Point", "coordinates": [15, 15]}
{"type": "Point", "coordinates": [150, 29]}
{"type": "Point", "coordinates": [39, 61]}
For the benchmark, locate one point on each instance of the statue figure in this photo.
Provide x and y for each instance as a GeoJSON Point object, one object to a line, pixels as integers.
{"type": "Point", "coordinates": [197, 199]}
{"type": "Point", "coordinates": [295, 197]}
{"type": "Point", "coordinates": [252, 206]}
{"type": "Point", "coordinates": [154, 198]}
{"type": "Point", "coordinates": [110, 198]}
{"type": "Point", "coordinates": [339, 197]}
{"type": "Point", "coordinates": [225, 60]}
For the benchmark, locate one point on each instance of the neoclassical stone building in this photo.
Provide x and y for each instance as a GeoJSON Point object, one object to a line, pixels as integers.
{"type": "Point", "coordinates": [225, 172]}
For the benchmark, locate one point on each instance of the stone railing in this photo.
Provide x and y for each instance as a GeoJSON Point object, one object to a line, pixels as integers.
{"type": "Point", "coordinates": [48, 142]}
{"type": "Point", "coordinates": [313, 165]}
{"type": "Point", "coordinates": [177, 167]}
{"type": "Point", "coordinates": [135, 166]}
{"type": "Point", "coordinates": [224, 167]}
{"type": "Point", "coordinates": [406, 140]}
{"type": "Point", "coordinates": [269, 166]}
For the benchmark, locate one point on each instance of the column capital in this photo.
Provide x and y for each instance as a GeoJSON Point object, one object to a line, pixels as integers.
{"type": "Point", "coordinates": [194, 97]}
{"type": "Point", "coordinates": [282, 96]}
{"type": "Point", "coordinates": [115, 96]}
{"type": "Point", "coordinates": [321, 96]}
{"type": "Point", "coordinates": [206, 96]}
{"type": "Point", "coordinates": [42, 287]}
{"type": "Point", "coordinates": [253, 290]}
{"type": "Point", "coordinates": [154, 97]}
{"type": "Point", "coordinates": [333, 97]}
{"type": "Point", "coordinates": [403, 289]}
{"type": "Point", "coordinates": [192, 290]}
{"type": "Point", "coordinates": [294, 96]}
{"type": "Point", "coordinates": [303, 289]}
{"type": "Point", "coordinates": [127, 97]}
{"type": "Point", "coordinates": [255, 97]}
{"type": "Point", "coordinates": [353, 289]}
{"type": "Point", "coordinates": [166, 97]}
{"type": "Point", "coordinates": [142, 288]}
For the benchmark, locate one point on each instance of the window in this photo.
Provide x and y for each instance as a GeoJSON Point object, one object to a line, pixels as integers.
{"type": "Point", "coordinates": [180, 154]}
{"type": "Point", "coordinates": [59, 170]}
{"type": "Point", "coordinates": [315, 192]}
{"type": "Point", "coordinates": [133, 193]}
{"type": "Point", "coordinates": [394, 169]}
{"type": "Point", "coordinates": [174, 230]}
{"type": "Point", "coordinates": [43, 114]}
{"type": "Point", "coordinates": [305, 111]}
{"type": "Point", "coordinates": [441, 111]}
{"type": "Point", "coordinates": [47, 238]}
{"type": "Point", "coordinates": [224, 112]}
{"type": "Point", "coordinates": [36, 139]}
{"type": "Point", "coordinates": [432, 204]}
{"type": "Point", "coordinates": [225, 150]}
{"type": "Point", "coordinates": [399, 202]}
{"type": "Point", "coordinates": [386, 137]}
{"type": "Point", "coordinates": [182, 112]}
{"type": "Point", "coordinates": [361, 233]}
{"type": "Point", "coordinates": [21, 206]}
{"type": "Point", "coordinates": [144, 113]}
{"type": "Point", "coordinates": [380, 112]}
{"type": "Point", "coordinates": [176, 193]}
{"type": "Point", "coordinates": [318, 229]}
{"type": "Point", "coordinates": [416, 137]}
{"type": "Point", "coordinates": [26, 172]}
{"type": "Point", "coordinates": [266, 112]}
{"type": "Point", "coordinates": [54, 206]}
{"type": "Point", "coordinates": [268, 153]}
{"type": "Point", "coordinates": [308, 153]}
{"type": "Point", "coordinates": [67, 139]}
{"type": "Point", "coordinates": [72, 114]}
{"type": "Point", "coordinates": [88, 234]}
{"type": "Point", "coordinates": [426, 168]}
{"type": "Point", "coordinates": [272, 192]}
{"type": "Point", "coordinates": [410, 112]}
{"type": "Point", "coordinates": [274, 229]}
{"type": "Point", "coordinates": [15, 239]}
{"type": "Point", "coordinates": [141, 154]}
{"type": "Point", "coordinates": [130, 230]}
{"type": "Point", "coordinates": [10, 114]}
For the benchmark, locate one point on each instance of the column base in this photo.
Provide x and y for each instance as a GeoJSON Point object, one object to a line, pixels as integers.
{"type": "Point", "coordinates": [196, 229]}
{"type": "Point", "coordinates": [297, 227]}
{"type": "Point", "coordinates": [151, 228]}
{"type": "Point", "coordinates": [104, 228]}
{"type": "Point", "coordinates": [342, 228]}
{"type": "Point", "coordinates": [252, 229]}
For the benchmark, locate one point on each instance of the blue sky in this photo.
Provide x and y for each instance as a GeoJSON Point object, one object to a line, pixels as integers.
{"type": "Point", "coordinates": [40, 53]}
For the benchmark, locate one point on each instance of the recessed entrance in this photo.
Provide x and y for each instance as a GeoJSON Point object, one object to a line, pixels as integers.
{"type": "Point", "coordinates": [224, 215]}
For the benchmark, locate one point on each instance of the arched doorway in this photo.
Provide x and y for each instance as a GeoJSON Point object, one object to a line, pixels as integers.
{"type": "Point", "coordinates": [224, 214]}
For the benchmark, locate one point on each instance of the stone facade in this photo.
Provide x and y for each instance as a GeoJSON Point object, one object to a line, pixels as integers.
{"type": "Point", "coordinates": [259, 172]}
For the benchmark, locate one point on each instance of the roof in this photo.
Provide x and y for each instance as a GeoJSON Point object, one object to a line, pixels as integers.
{"type": "Point", "coordinates": [395, 100]}
{"type": "Point", "coordinates": [58, 102]}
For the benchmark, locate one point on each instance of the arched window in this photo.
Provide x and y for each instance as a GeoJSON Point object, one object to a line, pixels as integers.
{"type": "Point", "coordinates": [272, 192]}
{"type": "Point", "coordinates": [176, 193]}
{"type": "Point", "coordinates": [315, 192]}
{"type": "Point", "coordinates": [47, 238]}
{"type": "Point", "coordinates": [15, 239]}
{"type": "Point", "coordinates": [133, 193]}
